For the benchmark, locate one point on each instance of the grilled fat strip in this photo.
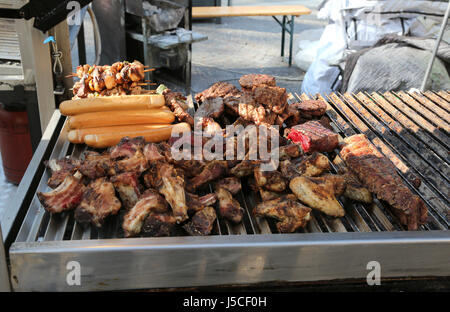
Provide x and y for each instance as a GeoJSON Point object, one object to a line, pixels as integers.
{"type": "Point", "coordinates": [111, 103]}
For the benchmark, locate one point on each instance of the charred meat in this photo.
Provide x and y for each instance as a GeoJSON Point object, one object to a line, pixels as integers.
{"type": "Point", "coordinates": [202, 222]}
{"type": "Point", "coordinates": [313, 137]}
{"type": "Point", "coordinates": [219, 89]}
{"type": "Point", "coordinates": [229, 208]}
{"type": "Point", "coordinates": [252, 80]}
{"type": "Point", "coordinates": [98, 202]}
{"type": "Point", "coordinates": [274, 98]}
{"type": "Point", "coordinates": [377, 173]}
{"type": "Point", "coordinates": [311, 108]}
{"type": "Point", "coordinates": [159, 224]}
{"type": "Point", "coordinates": [127, 185]}
{"type": "Point", "coordinates": [61, 169]}
{"type": "Point", "coordinates": [287, 210]}
{"type": "Point", "coordinates": [150, 201]}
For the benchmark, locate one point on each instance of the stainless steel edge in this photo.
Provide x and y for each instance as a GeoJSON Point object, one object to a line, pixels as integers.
{"type": "Point", "coordinates": [10, 213]}
{"type": "Point", "coordinates": [4, 274]}
{"type": "Point", "coordinates": [140, 263]}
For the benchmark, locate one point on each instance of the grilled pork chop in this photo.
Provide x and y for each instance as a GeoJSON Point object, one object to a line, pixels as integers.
{"type": "Point", "coordinates": [98, 202]}
{"type": "Point", "coordinates": [379, 175]}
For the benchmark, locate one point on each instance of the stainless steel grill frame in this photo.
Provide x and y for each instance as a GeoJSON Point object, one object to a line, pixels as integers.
{"type": "Point", "coordinates": [410, 129]}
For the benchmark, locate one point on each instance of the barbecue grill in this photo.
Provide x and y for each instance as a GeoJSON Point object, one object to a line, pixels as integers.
{"type": "Point", "coordinates": [411, 129]}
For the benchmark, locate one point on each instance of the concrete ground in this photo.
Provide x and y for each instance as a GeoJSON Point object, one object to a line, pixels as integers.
{"type": "Point", "coordinates": [241, 45]}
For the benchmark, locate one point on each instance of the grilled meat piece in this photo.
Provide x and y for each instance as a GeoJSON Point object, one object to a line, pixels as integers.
{"type": "Point", "coordinates": [313, 165]}
{"type": "Point", "coordinates": [172, 188]}
{"type": "Point", "coordinates": [246, 107]}
{"type": "Point", "coordinates": [219, 89]}
{"type": "Point", "coordinates": [211, 107]}
{"type": "Point", "coordinates": [287, 210]}
{"type": "Point", "coordinates": [61, 169]}
{"type": "Point", "coordinates": [197, 203]}
{"type": "Point", "coordinates": [290, 116]}
{"type": "Point", "coordinates": [99, 201]}
{"type": "Point", "coordinates": [290, 151]}
{"type": "Point", "coordinates": [208, 125]}
{"type": "Point", "coordinates": [152, 153]}
{"type": "Point", "coordinates": [231, 184]}
{"type": "Point", "coordinates": [379, 175]}
{"type": "Point", "coordinates": [127, 185]}
{"type": "Point", "coordinates": [311, 108]}
{"type": "Point", "coordinates": [65, 197]}
{"type": "Point", "coordinates": [229, 208]}
{"type": "Point", "coordinates": [252, 80]}
{"type": "Point", "coordinates": [313, 137]}
{"type": "Point", "coordinates": [212, 171]}
{"type": "Point", "coordinates": [274, 98]}
{"type": "Point", "coordinates": [320, 193]}
{"type": "Point", "coordinates": [202, 222]}
{"type": "Point", "coordinates": [309, 166]}
{"type": "Point", "coordinates": [129, 156]}
{"type": "Point", "coordinates": [270, 180]}
{"type": "Point", "coordinates": [244, 168]}
{"type": "Point", "coordinates": [159, 225]}
{"type": "Point", "coordinates": [268, 195]}
{"type": "Point", "coordinates": [150, 201]}
{"type": "Point", "coordinates": [95, 165]}
{"type": "Point", "coordinates": [177, 104]}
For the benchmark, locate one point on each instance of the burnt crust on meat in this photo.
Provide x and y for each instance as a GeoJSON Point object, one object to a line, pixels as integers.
{"type": "Point", "coordinates": [252, 80]}
{"type": "Point", "coordinates": [219, 89]}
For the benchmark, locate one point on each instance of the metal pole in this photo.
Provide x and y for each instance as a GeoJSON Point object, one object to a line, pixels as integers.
{"type": "Point", "coordinates": [436, 47]}
{"type": "Point", "coordinates": [4, 274]}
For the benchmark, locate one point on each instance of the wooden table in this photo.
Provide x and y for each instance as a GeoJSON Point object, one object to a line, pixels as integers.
{"type": "Point", "coordinates": [273, 10]}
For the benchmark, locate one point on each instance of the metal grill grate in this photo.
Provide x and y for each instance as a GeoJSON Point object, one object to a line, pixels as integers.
{"type": "Point", "coordinates": [411, 129]}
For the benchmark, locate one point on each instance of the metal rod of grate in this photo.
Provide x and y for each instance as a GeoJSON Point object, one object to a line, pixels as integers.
{"type": "Point", "coordinates": [411, 129]}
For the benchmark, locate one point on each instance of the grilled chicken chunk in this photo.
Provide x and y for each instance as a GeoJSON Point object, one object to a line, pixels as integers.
{"type": "Point", "coordinates": [213, 170]}
{"type": "Point", "coordinates": [197, 203]}
{"type": "Point", "coordinates": [172, 187]}
{"type": "Point", "coordinates": [270, 180]}
{"type": "Point", "coordinates": [320, 193]}
{"type": "Point", "coordinates": [95, 165]}
{"type": "Point", "coordinates": [202, 222]}
{"type": "Point", "coordinates": [150, 201]}
{"type": "Point", "coordinates": [127, 185]}
{"type": "Point", "coordinates": [60, 169]}
{"type": "Point", "coordinates": [159, 224]}
{"type": "Point", "coordinates": [287, 210]}
{"type": "Point", "coordinates": [268, 195]}
{"type": "Point", "coordinates": [231, 184]}
{"type": "Point", "coordinates": [99, 201]}
{"type": "Point", "coordinates": [229, 207]}
{"type": "Point", "coordinates": [65, 197]}
{"type": "Point", "coordinates": [314, 165]}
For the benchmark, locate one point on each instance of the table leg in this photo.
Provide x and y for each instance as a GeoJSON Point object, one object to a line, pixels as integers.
{"type": "Point", "coordinates": [291, 39]}
{"type": "Point", "coordinates": [283, 32]}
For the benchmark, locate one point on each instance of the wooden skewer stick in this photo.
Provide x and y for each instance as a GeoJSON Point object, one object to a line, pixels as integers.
{"type": "Point", "coordinates": [149, 70]}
